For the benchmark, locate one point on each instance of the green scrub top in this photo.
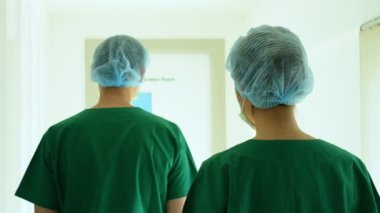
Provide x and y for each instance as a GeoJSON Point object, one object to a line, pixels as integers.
{"type": "Point", "coordinates": [109, 160]}
{"type": "Point", "coordinates": [310, 176]}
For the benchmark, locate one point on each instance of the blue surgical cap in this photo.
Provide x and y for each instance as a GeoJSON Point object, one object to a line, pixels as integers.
{"type": "Point", "coordinates": [119, 61]}
{"type": "Point", "coordinates": [270, 68]}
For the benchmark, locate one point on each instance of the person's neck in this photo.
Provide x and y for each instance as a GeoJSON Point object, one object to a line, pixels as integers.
{"type": "Point", "coordinates": [116, 97]}
{"type": "Point", "coordinates": [278, 123]}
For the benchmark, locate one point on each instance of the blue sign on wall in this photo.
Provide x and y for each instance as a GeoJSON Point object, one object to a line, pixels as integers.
{"type": "Point", "coordinates": [144, 101]}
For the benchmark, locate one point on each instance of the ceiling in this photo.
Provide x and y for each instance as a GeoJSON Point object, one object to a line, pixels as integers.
{"type": "Point", "coordinates": [225, 7]}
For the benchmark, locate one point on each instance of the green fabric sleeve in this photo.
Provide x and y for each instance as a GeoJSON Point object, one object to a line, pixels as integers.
{"type": "Point", "coordinates": [183, 171]}
{"type": "Point", "coordinates": [376, 196]}
{"type": "Point", "coordinates": [209, 191]}
{"type": "Point", "coordinates": [37, 185]}
{"type": "Point", "coordinates": [367, 197]}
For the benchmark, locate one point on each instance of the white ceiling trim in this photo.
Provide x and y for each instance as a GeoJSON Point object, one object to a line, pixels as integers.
{"type": "Point", "coordinates": [232, 7]}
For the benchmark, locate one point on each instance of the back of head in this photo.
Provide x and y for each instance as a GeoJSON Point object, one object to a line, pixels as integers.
{"type": "Point", "coordinates": [119, 61]}
{"type": "Point", "coordinates": [269, 67]}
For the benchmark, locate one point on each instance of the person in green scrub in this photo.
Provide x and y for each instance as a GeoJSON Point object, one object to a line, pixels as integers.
{"type": "Point", "coordinates": [113, 157]}
{"type": "Point", "coordinates": [282, 169]}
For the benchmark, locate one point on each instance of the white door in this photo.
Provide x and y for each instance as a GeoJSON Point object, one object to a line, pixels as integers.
{"type": "Point", "coordinates": [370, 100]}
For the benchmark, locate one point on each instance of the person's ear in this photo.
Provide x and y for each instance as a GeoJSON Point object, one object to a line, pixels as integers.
{"type": "Point", "coordinates": [142, 74]}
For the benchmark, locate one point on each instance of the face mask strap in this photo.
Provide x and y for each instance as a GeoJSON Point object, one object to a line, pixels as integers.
{"type": "Point", "coordinates": [243, 117]}
{"type": "Point", "coordinates": [242, 105]}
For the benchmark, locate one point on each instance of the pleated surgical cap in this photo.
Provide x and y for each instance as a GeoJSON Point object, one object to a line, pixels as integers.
{"type": "Point", "coordinates": [269, 66]}
{"type": "Point", "coordinates": [119, 61]}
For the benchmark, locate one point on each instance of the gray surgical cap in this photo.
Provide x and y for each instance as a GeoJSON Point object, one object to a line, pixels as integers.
{"type": "Point", "coordinates": [269, 67]}
{"type": "Point", "coordinates": [119, 61]}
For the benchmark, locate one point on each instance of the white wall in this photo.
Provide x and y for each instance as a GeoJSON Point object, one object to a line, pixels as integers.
{"type": "Point", "coordinates": [10, 106]}
{"type": "Point", "coordinates": [24, 45]}
{"type": "Point", "coordinates": [2, 102]}
{"type": "Point", "coordinates": [329, 31]}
